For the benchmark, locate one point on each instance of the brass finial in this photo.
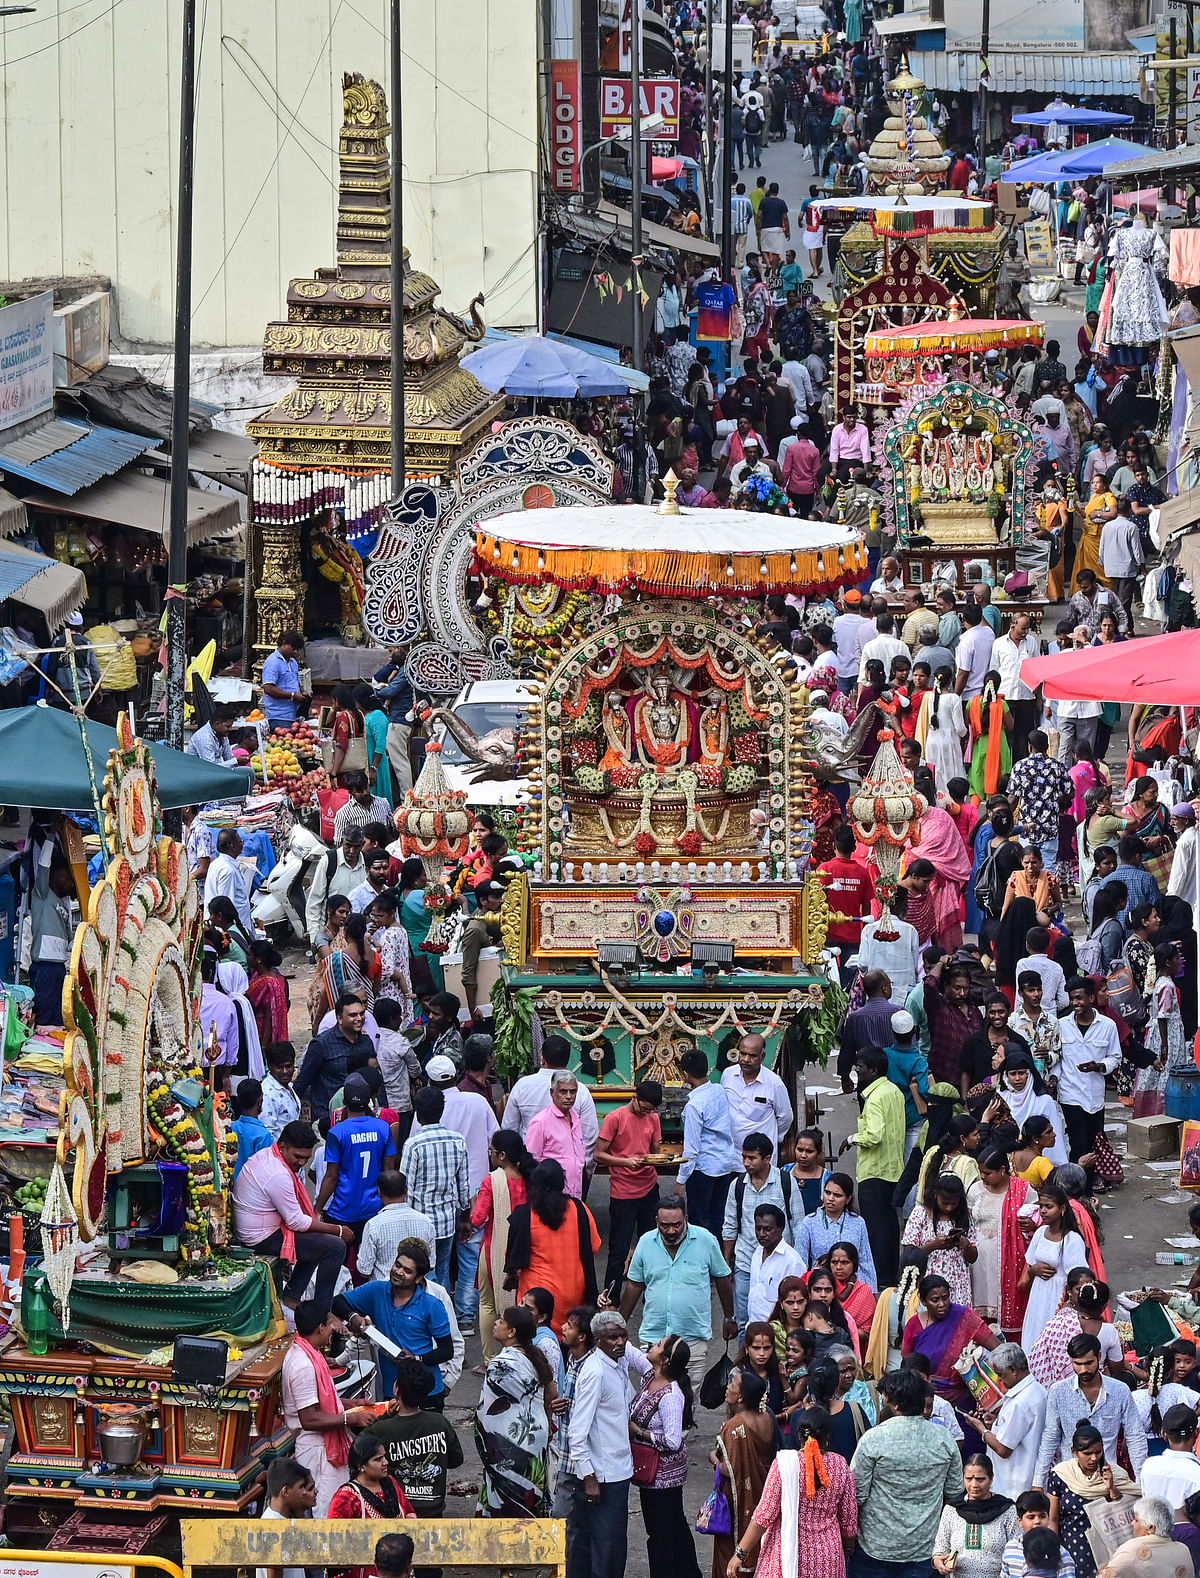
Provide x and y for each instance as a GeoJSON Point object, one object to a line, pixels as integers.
{"type": "Point", "coordinates": [670, 487]}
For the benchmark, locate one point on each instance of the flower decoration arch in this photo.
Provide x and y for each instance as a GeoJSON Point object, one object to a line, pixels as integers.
{"type": "Point", "coordinates": [132, 996]}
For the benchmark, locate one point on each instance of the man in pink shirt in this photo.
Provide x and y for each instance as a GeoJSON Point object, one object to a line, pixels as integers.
{"type": "Point", "coordinates": [273, 1215]}
{"type": "Point", "coordinates": [849, 442]}
{"type": "Point", "coordinates": [801, 467]}
{"type": "Point", "coordinates": [556, 1134]}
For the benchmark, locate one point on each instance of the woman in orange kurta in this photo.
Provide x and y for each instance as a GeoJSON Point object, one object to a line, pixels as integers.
{"type": "Point", "coordinates": [552, 1244]}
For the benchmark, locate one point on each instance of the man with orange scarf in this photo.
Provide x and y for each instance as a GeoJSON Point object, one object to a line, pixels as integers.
{"type": "Point", "coordinates": [273, 1215]}
{"type": "Point", "coordinates": [312, 1407]}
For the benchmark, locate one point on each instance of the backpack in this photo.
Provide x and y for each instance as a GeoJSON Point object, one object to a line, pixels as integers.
{"type": "Point", "coordinates": [1089, 955]}
{"type": "Point", "coordinates": [989, 890]}
{"type": "Point", "coordinates": [739, 1194]}
{"type": "Point", "coordinates": [753, 122]}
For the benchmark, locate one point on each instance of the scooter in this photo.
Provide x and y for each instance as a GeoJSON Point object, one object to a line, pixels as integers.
{"type": "Point", "coordinates": [278, 906]}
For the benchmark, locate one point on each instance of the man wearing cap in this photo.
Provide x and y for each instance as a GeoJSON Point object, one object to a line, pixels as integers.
{"type": "Point", "coordinates": [752, 464]}
{"type": "Point", "coordinates": [356, 1151]}
{"type": "Point", "coordinates": [471, 1116]}
{"type": "Point", "coordinates": [1182, 882]}
{"type": "Point", "coordinates": [908, 1070]}
{"type": "Point", "coordinates": [851, 632]}
{"type": "Point", "coordinates": [58, 668]}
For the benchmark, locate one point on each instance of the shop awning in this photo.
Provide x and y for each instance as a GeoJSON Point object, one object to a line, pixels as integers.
{"type": "Point", "coordinates": [1179, 513]}
{"type": "Point", "coordinates": [225, 457]}
{"type": "Point", "coordinates": [1078, 75]}
{"type": "Point", "coordinates": [14, 517]}
{"type": "Point", "coordinates": [907, 22]}
{"type": "Point", "coordinates": [68, 456]}
{"type": "Point", "coordinates": [45, 764]}
{"type": "Point", "coordinates": [1168, 161]}
{"type": "Point", "coordinates": [39, 582]}
{"type": "Point", "coordinates": [607, 222]}
{"type": "Point", "coordinates": [143, 503]}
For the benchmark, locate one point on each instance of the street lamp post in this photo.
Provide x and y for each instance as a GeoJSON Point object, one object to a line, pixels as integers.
{"type": "Point", "coordinates": [397, 195]}
{"type": "Point", "coordinates": [180, 392]}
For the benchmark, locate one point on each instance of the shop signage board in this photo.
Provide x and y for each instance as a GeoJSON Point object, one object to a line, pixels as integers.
{"type": "Point", "coordinates": [1039, 243]}
{"type": "Point", "coordinates": [565, 125]}
{"type": "Point", "coordinates": [26, 359]}
{"type": "Point", "coordinates": [659, 96]}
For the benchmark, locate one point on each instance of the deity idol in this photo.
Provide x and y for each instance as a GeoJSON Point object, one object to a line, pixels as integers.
{"type": "Point", "coordinates": [662, 724]}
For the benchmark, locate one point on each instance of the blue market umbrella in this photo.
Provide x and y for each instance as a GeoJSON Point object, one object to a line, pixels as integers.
{"type": "Point", "coordinates": [544, 369]}
{"type": "Point", "coordinates": [1057, 112]}
{"type": "Point", "coordinates": [1092, 159]}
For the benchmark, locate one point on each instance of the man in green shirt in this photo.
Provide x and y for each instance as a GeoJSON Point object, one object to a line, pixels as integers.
{"type": "Point", "coordinates": [904, 1473]}
{"type": "Point", "coordinates": [880, 1142]}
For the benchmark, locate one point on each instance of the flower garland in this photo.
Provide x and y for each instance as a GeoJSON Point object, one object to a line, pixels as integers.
{"type": "Point", "coordinates": [183, 1140]}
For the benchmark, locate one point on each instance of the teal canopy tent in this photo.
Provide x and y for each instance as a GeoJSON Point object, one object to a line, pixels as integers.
{"type": "Point", "coordinates": [43, 763]}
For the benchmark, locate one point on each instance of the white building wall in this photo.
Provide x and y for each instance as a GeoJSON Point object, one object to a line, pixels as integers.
{"type": "Point", "coordinates": [88, 155]}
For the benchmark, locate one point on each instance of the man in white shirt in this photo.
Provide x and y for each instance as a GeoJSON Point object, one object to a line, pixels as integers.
{"type": "Point", "coordinates": [1091, 1049]}
{"type": "Point", "coordinates": [889, 578]}
{"type": "Point", "coordinates": [1182, 883]}
{"type": "Point", "coordinates": [1016, 1434]}
{"type": "Point", "coordinates": [974, 653]}
{"type": "Point", "coordinates": [1175, 1473]}
{"type": "Point", "coordinates": [1008, 653]}
{"type": "Point", "coordinates": [821, 716]}
{"type": "Point", "coordinates": [338, 875]}
{"type": "Point", "coordinates": [758, 1099]}
{"type": "Point", "coordinates": [884, 645]}
{"type": "Point", "coordinates": [225, 877]}
{"type": "Point", "coordinates": [795, 375]}
{"type": "Point", "coordinates": [851, 631]}
{"type": "Point", "coordinates": [773, 1260]}
{"type": "Point", "coordinates": [598, 1449]}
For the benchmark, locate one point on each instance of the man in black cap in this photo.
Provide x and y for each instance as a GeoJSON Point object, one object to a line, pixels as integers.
{"type": "Point", "coordinates": [357, 1149]}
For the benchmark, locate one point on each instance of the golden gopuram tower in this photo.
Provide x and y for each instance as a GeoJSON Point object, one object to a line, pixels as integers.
{"type": "Point", "coordinates": [326, 445]}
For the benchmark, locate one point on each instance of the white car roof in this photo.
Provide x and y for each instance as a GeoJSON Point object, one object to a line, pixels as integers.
{"type": "Point", "coordinates": [512, 690]}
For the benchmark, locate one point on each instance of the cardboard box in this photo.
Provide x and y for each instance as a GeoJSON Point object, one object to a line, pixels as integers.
{"type": "Point", "coordinates": [1153, 1139]}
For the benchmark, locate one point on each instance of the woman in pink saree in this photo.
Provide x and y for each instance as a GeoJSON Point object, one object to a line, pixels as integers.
{"type": "Point", "coordinates": [940, 843]}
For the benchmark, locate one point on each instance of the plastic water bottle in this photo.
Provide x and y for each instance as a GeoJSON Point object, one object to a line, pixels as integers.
{"type": "Point", "coordinates": [35, 1311]}
{"type": "Point", "coordinates": [1176, 1257]}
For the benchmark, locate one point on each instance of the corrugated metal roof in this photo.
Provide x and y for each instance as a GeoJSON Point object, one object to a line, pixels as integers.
{"type": "Point", "coordinates": [1168, 160]}
{"type": "Point", "coordinates": [1078, 75]}
{"type": "Point", "coordinates": [80, 455]}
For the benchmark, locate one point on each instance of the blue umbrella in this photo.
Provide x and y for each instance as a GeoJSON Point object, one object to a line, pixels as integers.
{"type": "Point", "coordinates": [1062, 114]}
{"type": "Point", "coordinates": [544, 369]}
{"type": "Point", "coordinates": [1091, 159]}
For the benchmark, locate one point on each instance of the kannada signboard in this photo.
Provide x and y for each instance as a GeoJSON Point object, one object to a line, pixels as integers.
{"type": "Point", "coordinates": [659, 96]}
{"type": "Point", "coordinates": [26, 358]}
{"type": "Point", "coordinates": [566, 140]}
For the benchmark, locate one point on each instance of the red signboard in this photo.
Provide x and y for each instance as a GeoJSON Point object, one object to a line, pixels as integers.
{"type": "Point", "coordinates": [659, 96]}
{"type": "Point", "coordinates": [566, 139]}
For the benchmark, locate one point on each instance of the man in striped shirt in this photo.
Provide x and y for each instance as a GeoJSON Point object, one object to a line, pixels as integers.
{"type": "Point", "coordinates": [741, 211]}
{"type": "Point", "coordinates": [435, 1162]}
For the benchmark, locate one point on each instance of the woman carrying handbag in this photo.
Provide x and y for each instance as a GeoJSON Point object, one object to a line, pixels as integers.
{"type": "Point", "coordinates": [658, 1416]}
